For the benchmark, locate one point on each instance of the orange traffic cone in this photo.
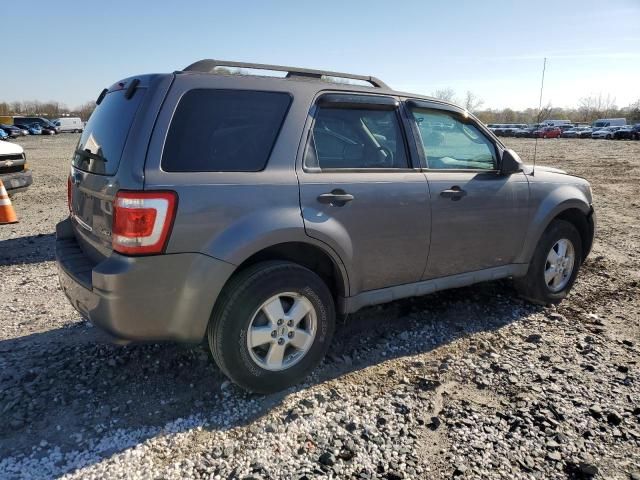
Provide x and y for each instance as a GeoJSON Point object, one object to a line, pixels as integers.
{"type": "Point", "coordinates": [7, 213]}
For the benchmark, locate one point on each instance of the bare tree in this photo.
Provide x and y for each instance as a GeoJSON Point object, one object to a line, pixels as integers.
{"type": "Point", "coordinates": [472, 102]}
{"type": "Point", "coordinates": [446, 94]}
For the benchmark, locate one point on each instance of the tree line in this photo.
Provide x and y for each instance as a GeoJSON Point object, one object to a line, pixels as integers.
{"type": "Point", "coordinates": [587, 110]}
{"type": "Point", "coordinates": [49, 109]}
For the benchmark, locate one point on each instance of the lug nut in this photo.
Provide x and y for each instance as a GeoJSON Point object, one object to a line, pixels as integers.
{"type": "Point", "coordinates": [280, 341]}
{"type": "Point", "coordinates": [290, 335]}
{"type": "Point", "coordinates": [290, 323]}
{"type": "Point", "coordinates": [274, 334]}
{"type": "Point", "coordinates": [280, 321]}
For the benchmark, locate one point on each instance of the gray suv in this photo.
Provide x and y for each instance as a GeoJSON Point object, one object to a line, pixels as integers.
{"type": "Point", "coordinates": [255, 209]}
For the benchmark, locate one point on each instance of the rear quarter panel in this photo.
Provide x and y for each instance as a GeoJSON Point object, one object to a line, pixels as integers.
{"type": "Point", "coordinates": [231, 215]}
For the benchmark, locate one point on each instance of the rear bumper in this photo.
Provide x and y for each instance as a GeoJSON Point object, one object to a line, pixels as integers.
{"type": "Point", "coordinates": [17, 181]}
{"type": "Point", "coordinates": [160, 297]}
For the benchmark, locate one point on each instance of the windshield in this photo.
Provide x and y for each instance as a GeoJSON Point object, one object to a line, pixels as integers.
{"type": "Point", "coordinates": [102, 142]}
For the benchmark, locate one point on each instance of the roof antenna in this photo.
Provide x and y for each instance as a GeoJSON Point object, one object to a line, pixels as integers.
{"type": "Point", "coordinates": [535, 147]}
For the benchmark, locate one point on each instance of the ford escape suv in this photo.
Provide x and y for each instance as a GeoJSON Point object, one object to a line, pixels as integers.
{"type": "Point", "coordinates": [252, 209]}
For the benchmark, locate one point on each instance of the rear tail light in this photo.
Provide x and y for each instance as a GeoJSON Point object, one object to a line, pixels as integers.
{"type": "Point", "coordinates": [142, 221]}
{"type": "Point", "coordinates": [69, 192]}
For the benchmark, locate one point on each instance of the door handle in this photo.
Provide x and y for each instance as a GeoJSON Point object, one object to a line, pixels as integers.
{"type": "Point", "coordinates": [454, 193]}
{"type": "Point", "coordinates": [336, 198]}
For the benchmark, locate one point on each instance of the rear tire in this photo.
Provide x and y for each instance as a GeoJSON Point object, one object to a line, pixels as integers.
{"type": "Point", "coordinates": [257, 348]}
{"type": "Point", "coordinates": [535, 285]}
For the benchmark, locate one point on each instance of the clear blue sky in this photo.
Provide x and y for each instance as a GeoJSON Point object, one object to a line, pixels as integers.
{"type": "Point", "coordinates": [70, 50]}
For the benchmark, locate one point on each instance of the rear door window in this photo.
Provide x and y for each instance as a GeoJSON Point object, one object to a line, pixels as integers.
{"type": "Point", "coordinates": [356, 138]}
{"type": "Point", "coordinates": [106, 133]}
{"type": "Point", "coordinates": [224, 130]}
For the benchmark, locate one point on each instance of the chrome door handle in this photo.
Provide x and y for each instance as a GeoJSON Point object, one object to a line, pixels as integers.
{"type": "Point", "coordinates": [454, 193]}
{"type": "Point", "coordinates": [336, 198]}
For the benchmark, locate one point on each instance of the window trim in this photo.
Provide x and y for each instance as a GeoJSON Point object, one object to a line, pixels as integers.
{"type": "Point", "coordinates": [388, 103]}
{"type": "Point", "coordinates": [412, 103]}
{"type": "Point", "coordinates": [273, 146]}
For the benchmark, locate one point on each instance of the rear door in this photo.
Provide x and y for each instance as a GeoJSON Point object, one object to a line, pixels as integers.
{"type": "Point", "coordinates": [360, 193]}
{"type": "Point", "coordinates": [479, 217]}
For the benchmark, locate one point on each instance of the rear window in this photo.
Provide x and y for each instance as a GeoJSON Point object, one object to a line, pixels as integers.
{"type": "Point", "coordinates": [106, 133]}
{"type": "Point", "coordinates": [224, 130]}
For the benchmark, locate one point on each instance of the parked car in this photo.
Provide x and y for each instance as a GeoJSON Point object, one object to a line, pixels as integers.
{"type": "Point", "coordinates": [41, 121]}
{"type": "Point", "coordinates": [606, 132]}
{"type": "Point", "coordinates": [574, 132]}
{"type": "Point", "coordinates": [548, 132]}
{"type": "Point", "coordinates": [69, 124]}
{"type": "Point", "coordinates": [35, 129]}
{"type": "Point", "coordinates": [11, 130]}
{"type": "Point", "coordinates": [3, 135]}
{"type": "Point", "coordinates": [31, 129]}
{"type": "Point", "coordinates": [48, 129]}
{"type": "Point", "coordinates": [630, 132]}
{"type": "Point", "coordinates": [252, 222]}
{"type": "Point", "coordinates": [527, 132]}
{"type": "Point", "coordinates": [586, 133]}
{"type": "Point", "coordinates": [14, 173]}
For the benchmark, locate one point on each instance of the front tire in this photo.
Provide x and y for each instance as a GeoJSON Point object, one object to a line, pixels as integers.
{"type": "Point", "coordinates": [554, 266]}
{"type": "Point", "coordinates": [271, 326]}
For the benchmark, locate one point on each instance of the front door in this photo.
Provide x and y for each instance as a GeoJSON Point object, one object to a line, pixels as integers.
{"type": "Point", "coordinates": [479, 217]}
{"type": "Point", "coordinates": [360, 194]}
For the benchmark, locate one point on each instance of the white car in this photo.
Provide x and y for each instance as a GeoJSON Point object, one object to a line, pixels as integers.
{"type": "Point", "coordinates": [606, 132]}
{"type": "Point", "coordinates": [14, 172]}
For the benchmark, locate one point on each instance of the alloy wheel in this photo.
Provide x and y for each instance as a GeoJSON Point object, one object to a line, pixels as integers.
{"type": "Point", "coordinates": [559, 265]}
{"type": "Point", "coordinates": [282, 331]}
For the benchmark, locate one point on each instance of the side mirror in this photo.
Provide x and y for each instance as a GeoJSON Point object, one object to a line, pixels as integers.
{"type": "Point", "coordinates": [511, 162]}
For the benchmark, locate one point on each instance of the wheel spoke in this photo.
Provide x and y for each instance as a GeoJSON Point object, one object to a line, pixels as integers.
{"type": "Point", "coordinates": [300, 308]}
{"type": "Point", "coordinates": [273, 310]}
{"type": "Point", "coordinates": [553, 256]}
{"type": "Point", "coordinates": [260, 336]}
{"type": "Point", "coordinates": [301, 339]}
{"type": "Point", "coordinates": [275, 355]}
{"type": "Point", "coordinates": [562, 248]}
{"type": "Point", "coordinates": [549, 275]}
{"type": "Point", "coordinates": [557, 278]}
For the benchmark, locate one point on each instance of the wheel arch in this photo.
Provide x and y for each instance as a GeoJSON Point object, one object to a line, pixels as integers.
{"type": "Point", "coordinates": [317, 258]}
{"type": "Point", "coordinates": [567, 203]}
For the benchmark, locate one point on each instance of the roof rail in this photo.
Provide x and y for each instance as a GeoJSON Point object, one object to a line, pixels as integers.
{"type": "Point", "coordinates": [208, 66]}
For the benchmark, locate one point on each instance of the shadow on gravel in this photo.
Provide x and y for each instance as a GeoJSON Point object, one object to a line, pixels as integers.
{"type": "Point", "coordinates": [31, 249]}
{"type": "Point", "coordinates": [70, 388]}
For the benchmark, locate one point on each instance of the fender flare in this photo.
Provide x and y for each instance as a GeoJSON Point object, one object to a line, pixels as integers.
{"type": "Point", "coordinates": [557, 201]}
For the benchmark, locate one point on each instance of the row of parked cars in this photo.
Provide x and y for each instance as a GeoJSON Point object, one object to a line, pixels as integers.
{"type": "Point", "coordinates": [610, 132]}
{"type": "Point", "coordinates": [21, 126]}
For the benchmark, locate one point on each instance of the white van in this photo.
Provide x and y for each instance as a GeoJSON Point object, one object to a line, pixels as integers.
{"type": "Point", "coordinates": [69, 124]}
{"type": "Point", "coordinates": [608, 122]}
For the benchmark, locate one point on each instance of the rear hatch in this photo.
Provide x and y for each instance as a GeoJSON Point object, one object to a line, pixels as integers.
{"type": "Point", "coordinates": [110, 156]}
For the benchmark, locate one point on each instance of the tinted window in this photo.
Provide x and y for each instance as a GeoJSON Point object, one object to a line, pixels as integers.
{"type": "Point", "coordinates": [453, 142]}
{"type": "Point", "coordinates": [106, 132]}
{"type": "Point", "coordinates": [356, 138]}
{"type": "Point", "coordinates": [224, 130]}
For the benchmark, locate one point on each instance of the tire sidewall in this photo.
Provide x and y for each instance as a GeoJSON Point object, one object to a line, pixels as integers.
{"type": "Point", "coordinates": [232, 326]}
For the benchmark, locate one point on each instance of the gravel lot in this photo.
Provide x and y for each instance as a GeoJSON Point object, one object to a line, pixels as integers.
{"type": "Point", "coordinates": [471, 383]}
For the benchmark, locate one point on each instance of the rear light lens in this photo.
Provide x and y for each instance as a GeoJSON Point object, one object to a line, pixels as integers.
{"type": "Point", "coordinates": [142, 221]}
{"type": "Point", "coordinates": [69, 192]}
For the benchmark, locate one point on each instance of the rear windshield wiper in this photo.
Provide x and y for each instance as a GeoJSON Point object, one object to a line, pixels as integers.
{"type": "Point", "coordinates": [92, 156]}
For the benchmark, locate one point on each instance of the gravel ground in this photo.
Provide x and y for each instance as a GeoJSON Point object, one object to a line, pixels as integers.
{"type": "Point", "coordinates": [471, 383]}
